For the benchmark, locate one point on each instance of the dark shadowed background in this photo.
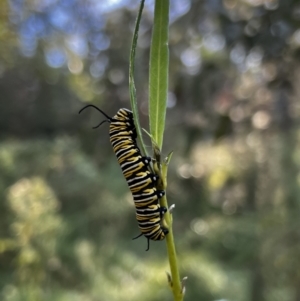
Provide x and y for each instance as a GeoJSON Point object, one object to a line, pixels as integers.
{"type": "Point", "coordinates": [66, 214]}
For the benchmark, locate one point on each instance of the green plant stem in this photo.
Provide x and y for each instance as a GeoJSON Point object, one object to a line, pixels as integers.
{"type": "Point", "coordinates": [158, 92]}
{"type": "Point", "coordinates": [176, 282]}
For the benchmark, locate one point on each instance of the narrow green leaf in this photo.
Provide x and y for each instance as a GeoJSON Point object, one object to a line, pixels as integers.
{"type": "Point", "coordinates": [133, 99]}
{"type": "Point", "coordinates": [168, 158]}
{"type": "Point", "coordinates": [159, 67]}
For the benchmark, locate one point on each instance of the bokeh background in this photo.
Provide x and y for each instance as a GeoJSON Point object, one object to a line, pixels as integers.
{"type": "Point", "coordinates": [67, 218]}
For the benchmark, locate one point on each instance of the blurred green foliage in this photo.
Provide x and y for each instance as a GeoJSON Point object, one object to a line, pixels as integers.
{"type": "Point", "coordinates": [67, 218]}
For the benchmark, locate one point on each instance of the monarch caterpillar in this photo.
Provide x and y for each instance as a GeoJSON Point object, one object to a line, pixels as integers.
{"type": "Point", "coordinates": [135, 168]}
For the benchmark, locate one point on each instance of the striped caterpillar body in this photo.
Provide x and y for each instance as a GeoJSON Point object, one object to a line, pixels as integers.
{"type": "Point", "coordinates": [135, 168]}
